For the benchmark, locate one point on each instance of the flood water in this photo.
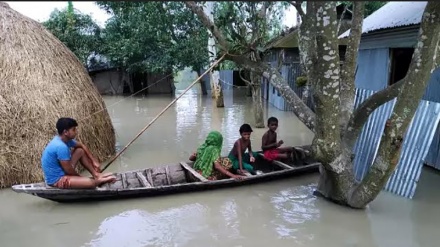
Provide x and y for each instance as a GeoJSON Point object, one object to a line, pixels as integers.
{"type": "Point", "coordinates": [280, 213]}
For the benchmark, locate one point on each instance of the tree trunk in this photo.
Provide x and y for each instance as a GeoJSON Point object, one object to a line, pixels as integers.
{"type": "Point", "coordinates": [202, 83]}
{"type": "Point", "coordinates": [249, 91]}
{"type": "Point", "coordinates": [218, 93]}
{"type": "Point", "coordinates": [326, 86]}
{"type": "Point", "coordinates": [257, 101]}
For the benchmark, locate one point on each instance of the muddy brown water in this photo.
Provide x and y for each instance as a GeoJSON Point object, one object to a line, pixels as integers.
{"type": "Point", "coordinates": [279, 213]}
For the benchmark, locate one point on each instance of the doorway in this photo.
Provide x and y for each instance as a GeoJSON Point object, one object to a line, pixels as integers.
{"type": "Point", "coordinates": [400, 60]}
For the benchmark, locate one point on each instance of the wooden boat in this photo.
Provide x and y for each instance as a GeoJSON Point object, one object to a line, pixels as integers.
{"type": "Point", "coordinates": [166, 179]}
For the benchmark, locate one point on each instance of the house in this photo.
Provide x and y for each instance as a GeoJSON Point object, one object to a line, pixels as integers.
{"type": "Point", "coordinates": [114, 81]}
{"type": "Point", "coordinates": [111, 80]}
{"type": "Point", "coordinates": [389, 36]}
{"type": "Point", "coordinates": [284, 49]}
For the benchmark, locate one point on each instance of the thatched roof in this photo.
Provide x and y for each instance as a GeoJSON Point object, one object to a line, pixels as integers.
{"type": "Point", "coordinates": [40, 81]}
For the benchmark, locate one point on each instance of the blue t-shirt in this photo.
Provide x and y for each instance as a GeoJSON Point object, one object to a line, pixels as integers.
{"type": "Point", "coordinates": [55, 151]}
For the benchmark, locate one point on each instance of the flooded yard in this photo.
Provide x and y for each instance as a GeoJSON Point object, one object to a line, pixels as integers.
{"type": "Point", "coordinates": [280, 213]}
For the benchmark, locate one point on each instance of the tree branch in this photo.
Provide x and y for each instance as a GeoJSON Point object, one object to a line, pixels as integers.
{"type": "Point", "coordinates": [341, 19]}
{"type": "Point", "coordinates": [347, 87]}
{"type": "Point", "coordinates": [362, 112]}
{"type": "Point", "coordinates": [241, 77]}
{"type": "Point", "coordinates": [297, 5]}
{"type": "Point", "coordinates": [280, 59]}
{"type": "Point", "coordinates": [209, 24]}
{"type": "Point", "coordinates": [300, 109]}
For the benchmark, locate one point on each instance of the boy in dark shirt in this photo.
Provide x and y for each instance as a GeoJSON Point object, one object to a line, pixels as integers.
{"type": "Point", "coordinates": [270, 146]}
{"type": "Point", "coordinates": [241, 160]}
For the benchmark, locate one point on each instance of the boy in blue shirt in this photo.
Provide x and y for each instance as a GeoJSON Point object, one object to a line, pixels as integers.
{"type": "Point", "coordinates": [59, 162]}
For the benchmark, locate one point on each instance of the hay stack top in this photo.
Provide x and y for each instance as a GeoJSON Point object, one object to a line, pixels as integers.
{"type": "Point", "coordinates": [40, 81]}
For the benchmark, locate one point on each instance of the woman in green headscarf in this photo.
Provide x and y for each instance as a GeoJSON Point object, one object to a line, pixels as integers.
{"type": "Point", "coordinates": [208, 161]}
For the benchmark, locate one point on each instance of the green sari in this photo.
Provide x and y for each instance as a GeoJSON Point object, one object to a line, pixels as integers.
{"type": "Point", "coordinates": [208, 153]}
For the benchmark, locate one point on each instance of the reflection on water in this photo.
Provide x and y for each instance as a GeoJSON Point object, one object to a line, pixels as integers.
{"type": "Point", "coordinates": [279, 213]}
{"type": "Point", "coordinates": [141, 228]}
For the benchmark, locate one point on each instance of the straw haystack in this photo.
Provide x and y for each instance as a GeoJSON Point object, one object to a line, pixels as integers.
{"type": "Point", "coordinates": [40, 81]}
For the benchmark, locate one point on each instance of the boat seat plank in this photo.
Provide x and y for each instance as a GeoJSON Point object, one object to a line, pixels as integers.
{"type": "Point", "coordinates": [124, 180]}
{"type": "Point", "coordinates": [193, 172]}
{"type": "Point", "coordinates": [167, 175]}
{"type": "Point", "coordinates": [281, 164]}
{"type": "Point", "coordinates": [149, 177]}
{"type": "Point", "coordinates": [143, 180]}
{"type": "Point", "coordinates": [277, 163]}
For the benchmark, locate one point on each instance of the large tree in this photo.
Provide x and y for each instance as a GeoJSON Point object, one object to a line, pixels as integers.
{"type": "Point", "coordinates": [336, 123]}
{"type": "Point", "coordinates": [76, 30]}
{"type": "Point", "coordinates": [248, 26]}
{"type": "Point", "coordinates": [154, 37]}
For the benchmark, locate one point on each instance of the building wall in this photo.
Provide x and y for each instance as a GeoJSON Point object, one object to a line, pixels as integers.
{"type": "Point", "coordinates": [108, 82]}
{"type": "Point", "coordinates": [372, 69]}
{"type": "Point", "coordinates": [393, 38]}
{"type": "Point", "coordinates": [158, 83]}
{"type": "Point", "coordinates": [289, 72]}
{"type": "Point", "coordinates": [226, 79]}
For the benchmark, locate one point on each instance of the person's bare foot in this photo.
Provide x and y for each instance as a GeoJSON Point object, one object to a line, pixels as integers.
{"type": "Point", "coordinates": [107, 179]}
{"type": "Point", "coordinates": [102, 175]}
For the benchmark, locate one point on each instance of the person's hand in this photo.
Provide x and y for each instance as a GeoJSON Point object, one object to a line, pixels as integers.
{"type": "Point", "coordinates": [252, 159]}
{"type": "Point", "coordinates": [238, 177]}
{"type": "Point", "coordinates": [241, 172]}
{"type": "Point", "coordinates": [97, 166]}
{"type": "Point", "coordinates": [281, 142]}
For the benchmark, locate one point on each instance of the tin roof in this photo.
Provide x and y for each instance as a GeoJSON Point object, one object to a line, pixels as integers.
{"type": "Point", "coordinates": [392, 15]}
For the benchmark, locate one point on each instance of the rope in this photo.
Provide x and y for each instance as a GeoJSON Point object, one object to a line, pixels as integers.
{"type": "Point", "coordinates": [158, 115]}
{"type": "Point", "coordinates": [225, 82]}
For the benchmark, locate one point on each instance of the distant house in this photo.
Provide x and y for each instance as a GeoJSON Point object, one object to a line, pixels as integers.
{"type": "Point", "coordinates": [284, 49]}
{"type": "Point", "coordinates": [389, 36]}
{"type": "Point", "coordinates": [111, 80]}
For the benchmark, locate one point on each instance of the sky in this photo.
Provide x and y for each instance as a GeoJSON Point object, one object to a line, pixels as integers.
{"type": "Point", "coordinates": [40, 11]}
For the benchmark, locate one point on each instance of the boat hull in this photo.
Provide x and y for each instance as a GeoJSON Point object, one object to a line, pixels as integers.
{"type": "Point", "coordinates": [164, 180]}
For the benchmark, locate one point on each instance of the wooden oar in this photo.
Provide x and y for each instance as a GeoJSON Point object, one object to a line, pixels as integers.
{"type": "Point", "coordinates": [160, 113]}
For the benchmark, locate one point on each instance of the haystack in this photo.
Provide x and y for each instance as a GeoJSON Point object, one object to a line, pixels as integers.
{"type": "Point", "coordinates": [40, 81]}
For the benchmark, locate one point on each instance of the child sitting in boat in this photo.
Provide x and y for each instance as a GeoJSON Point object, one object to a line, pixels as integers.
{"type": "Point", "coordinates": [271, 148]}
{"type": "Point", "coordinates": [59, 162]}
{"type": "Point", "coordinates": [208, 161]}
{"type": "Point", "coordinates": [241, 160]}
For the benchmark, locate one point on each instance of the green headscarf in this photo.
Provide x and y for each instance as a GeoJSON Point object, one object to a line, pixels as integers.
{"type": "Point", "coordinates": [209, 152]}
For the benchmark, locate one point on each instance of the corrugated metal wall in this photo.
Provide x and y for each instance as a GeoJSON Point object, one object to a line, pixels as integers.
{"type": "Point", "coordinates": [415, 148]}
{"type": "Point", "coordinates": [432, 92]}
{"type": "Point", "coordinates": [419, 136]}
{"type": "Point", "coordinates": [372, 71]}
{"type": "Point", "coordinates": [289, 72]}
{"type": "Point", "coordinates": [367, 144]}
{"type": "Point", "coordinates": [226, 79]}
{"type": "Point", "coordinates": [433, 157]}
